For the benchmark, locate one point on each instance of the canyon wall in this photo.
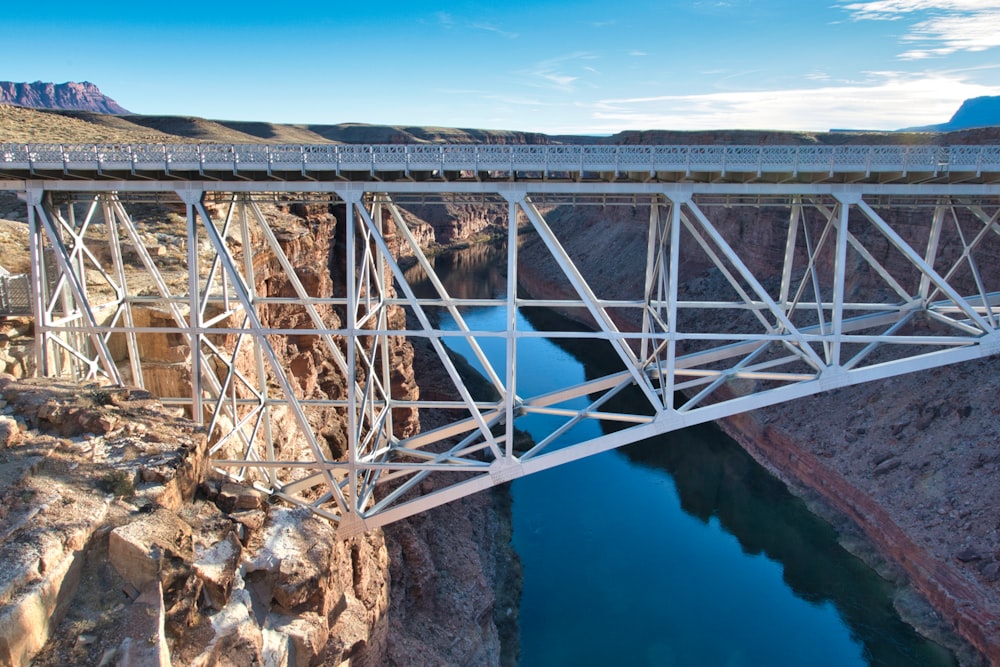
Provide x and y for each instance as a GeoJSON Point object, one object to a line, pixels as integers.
{"type": "Point", "coordinates": [245, 581]}
{"type": "Point", "coordinates": [909, 463]}
{"type": "Point", "coordinates": [442, 569]}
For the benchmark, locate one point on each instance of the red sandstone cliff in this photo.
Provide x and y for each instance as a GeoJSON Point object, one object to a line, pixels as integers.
{"type": "Point", "coordinates": [424, 592]}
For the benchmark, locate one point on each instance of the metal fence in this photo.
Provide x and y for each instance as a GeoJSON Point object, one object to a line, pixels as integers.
{"type": "Point", "coordinates": [15, 293]}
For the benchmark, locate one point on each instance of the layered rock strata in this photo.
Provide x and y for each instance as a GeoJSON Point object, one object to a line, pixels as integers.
{"type": "Point", "coordinates": [83, 96]}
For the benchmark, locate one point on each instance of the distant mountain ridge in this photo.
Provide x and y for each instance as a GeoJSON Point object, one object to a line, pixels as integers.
{"type": "Point", "coordinates": [83, 96]}
{"type": "Point", "coordinates": [56, 113]}
{"type": "Point", "coordinates": [974, 112]}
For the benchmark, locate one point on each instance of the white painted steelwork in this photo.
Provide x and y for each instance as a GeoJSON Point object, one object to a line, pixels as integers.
{"type": "Point", "coordinates": [809, 163]}
{"type": "Point", "coordinates": [694, 349]}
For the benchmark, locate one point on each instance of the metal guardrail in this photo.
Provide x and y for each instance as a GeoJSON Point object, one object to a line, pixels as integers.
{"type": "Point", "coordinates": [15, 294]}
{"type": "Point", "coordinates": [528, 159]}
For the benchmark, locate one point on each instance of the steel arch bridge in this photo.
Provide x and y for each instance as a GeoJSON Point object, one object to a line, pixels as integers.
{"type": "Point", "coordinates": [886, 265]}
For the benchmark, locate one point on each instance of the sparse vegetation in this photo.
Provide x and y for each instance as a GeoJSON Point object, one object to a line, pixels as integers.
{"type": "Point", "coordinates": [118, 483]}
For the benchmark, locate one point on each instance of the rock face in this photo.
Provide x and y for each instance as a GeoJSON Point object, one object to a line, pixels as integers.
{"type": "Point", "coordinates": [171, 575]}
{"type": "Point", "coordinates": [59, 497]}
{"type": "Point", "coordinates": [458, 223]}
{"type": "Point", "coordinates": [83, 96]}
{"type": "Point", "coordinates": [976, 112]}
{"type": "Point", "coordinates": [104, 527]}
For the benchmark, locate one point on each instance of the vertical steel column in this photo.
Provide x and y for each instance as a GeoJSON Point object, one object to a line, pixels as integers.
{"type": "Point", "coordinates": [190, 199]}
{"type": "Point", "coordinates": [673, 288]}
{"type": "Point", "coordinates": [258, 355]}
{"type": "Point", "coordinates": [351, 325]}
{"type": "Point", "coordinates": [937, 222]}
{"type": "Point", "coordinates": [840, 278]}
{"type": "Point", "coordinates": [790, 242]}
{"type": "Point", "coordinates": [653, 254]}
{"type": "Point", "coordinates": [114, 245]}
{"type": "Point", "coordinates": [39, 282]}
{"type": "Point", "coordinates": [73, 338]}
{"type": "Point", "coordinates": [384, 288]}
{"type": "Point", "coordinates": [511, 316]}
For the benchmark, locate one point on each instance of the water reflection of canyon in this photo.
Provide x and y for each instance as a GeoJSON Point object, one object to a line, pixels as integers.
{"type": "Point", "coordinates": [680, 550]}
{"type": "Point", "coordinates": [477, 266]}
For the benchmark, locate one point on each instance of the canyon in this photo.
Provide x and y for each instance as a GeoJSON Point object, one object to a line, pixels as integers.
{"type": "Point", "coordinates": [904, 468]}
{"type": "Point", "coordinates": [239, 581]}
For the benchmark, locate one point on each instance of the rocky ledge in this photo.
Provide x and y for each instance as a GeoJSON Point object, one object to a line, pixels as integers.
{"type": "Point", "coordinates": [115, 551]}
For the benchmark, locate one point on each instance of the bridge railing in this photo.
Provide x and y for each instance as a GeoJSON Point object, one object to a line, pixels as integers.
{"type": "Point", "coordinates": [573, 159]}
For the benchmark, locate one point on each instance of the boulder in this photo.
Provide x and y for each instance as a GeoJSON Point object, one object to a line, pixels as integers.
{"type": "Point", "coordinates": [145, 550]}
{"type": "Point", "coordinates": [217, 568]}
{"type": "Point", "coordinates": [10, 432]}
{"type": "Point", "coordinates": [145, 642]}
{"type": "Point", "coordinates": [237, 638]}
{"type": "Point", "coordinates": [306, 636]}
{"type": "Point", "coordinates": [239, 498]}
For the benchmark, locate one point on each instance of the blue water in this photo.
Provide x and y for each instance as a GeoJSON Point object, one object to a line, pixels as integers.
{"type": "Point", "coordinates": [679, 550]}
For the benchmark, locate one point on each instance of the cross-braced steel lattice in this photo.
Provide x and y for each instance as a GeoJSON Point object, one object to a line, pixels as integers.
{"type": "Point", "coordinates": [746, 295]}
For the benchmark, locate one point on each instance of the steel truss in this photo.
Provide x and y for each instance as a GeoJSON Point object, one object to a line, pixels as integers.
{"type": "Point", "coordinates": [857, 291]}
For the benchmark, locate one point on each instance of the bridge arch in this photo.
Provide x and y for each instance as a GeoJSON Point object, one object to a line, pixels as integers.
{"type": "Point", "coordinates": [857, 265]}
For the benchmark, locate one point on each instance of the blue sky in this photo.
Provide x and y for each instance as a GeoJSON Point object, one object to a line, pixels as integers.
{"type": "Point", "coordinates": [546, 65]}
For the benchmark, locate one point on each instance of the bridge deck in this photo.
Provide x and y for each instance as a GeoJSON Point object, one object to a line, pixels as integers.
{"type": "Point", "coordinates": [456, 162]}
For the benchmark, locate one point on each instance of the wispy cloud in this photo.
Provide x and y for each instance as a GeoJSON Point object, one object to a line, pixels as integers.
{"type": "Point", "coordinates": [448, 21]}
{"type": "Point", "coordinates": [637, 54]}
{"type": "Point", "coordinates": [943, 27]}
{"type": "Point", "coordinates": [516, 100]}
{"type": "Point", "coordinates": [890, 100]}
{"type": "Point", "coordinates": [556, 73]}
{"type": "Point", "coordinates": [489, 27]}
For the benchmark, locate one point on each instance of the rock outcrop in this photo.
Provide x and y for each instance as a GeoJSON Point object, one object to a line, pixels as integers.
{"type": "Point", "coordinates": [211, 572]}
{"type": "Point", "coordinates": [83, 96]}
{"type": "Point", "coordinates": [974, 113]}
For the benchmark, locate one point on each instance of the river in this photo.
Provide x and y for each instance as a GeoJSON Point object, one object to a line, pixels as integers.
{"type": "Point", "coordinates": [678, 550]}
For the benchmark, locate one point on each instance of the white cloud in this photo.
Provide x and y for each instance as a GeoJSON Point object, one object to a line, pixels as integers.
{"type": "Point", "coordinates": [489, 27]}
{"type": "Point", "coordinates": [944, 26]}
{"type": "Point", "coordinates": [553, 73]}
{"type": "Point", "coordinates": [889, 101]}
{"type": "Point", "coordinates": [973, 32]}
